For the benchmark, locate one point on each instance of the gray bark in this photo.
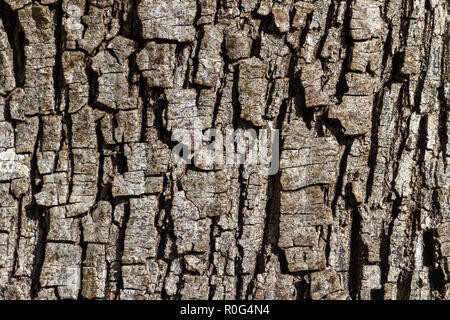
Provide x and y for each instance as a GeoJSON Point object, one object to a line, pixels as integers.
{"type": "Point", "coordinates": [92, 206]}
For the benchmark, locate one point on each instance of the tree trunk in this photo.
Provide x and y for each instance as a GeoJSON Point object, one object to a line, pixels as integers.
{"type": "Point", "coordinates": [95, 205]}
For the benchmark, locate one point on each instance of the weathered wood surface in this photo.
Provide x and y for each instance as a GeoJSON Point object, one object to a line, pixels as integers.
{"type": "Point", "coordinates": [92, 205]}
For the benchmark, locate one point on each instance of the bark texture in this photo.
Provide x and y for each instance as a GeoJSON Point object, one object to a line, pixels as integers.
{"type": "Point", "coordinates": [93, 207]}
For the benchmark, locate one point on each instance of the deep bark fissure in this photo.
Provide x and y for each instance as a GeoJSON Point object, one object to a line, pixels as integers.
{"type": "Point", "coordinates": [93, 205]}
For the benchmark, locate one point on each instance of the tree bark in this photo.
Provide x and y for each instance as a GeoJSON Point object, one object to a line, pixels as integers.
{"type": "Point", "coordinates": [93, 206]}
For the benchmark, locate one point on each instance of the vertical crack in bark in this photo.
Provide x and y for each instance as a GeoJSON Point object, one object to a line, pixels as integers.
{"type": "Point", "coordinates": [374, 143]}
{"type": "Point", "coordinates": [359, 89]}
{"type": "Point", "coordinates": [103, 191]}
{"type": "Point", "coordinates": [42, 216]}
{"type": "Point", "coordinates": [431, 260]}
{"type": "Point", "coordinates": [18, 235]}
{"type": "Point", "coordinates": [239, 282]}
{"type": "Point", "coordinates": [58, 77]}
{"type": "Point", "coordinates": [121, 245]}
{"type": "Point", "coordinates": [16, 37]}
{"type": "Point", "coordinates": [427, 35]}
{"type": "Point", "coordinates": [356, 255]}
{"type": "Point", "coordinates": [330, 19]}
{"type": "Point", "coordinates": [342, 171]}
{"type": "Point", "coordinates": [347, 42]}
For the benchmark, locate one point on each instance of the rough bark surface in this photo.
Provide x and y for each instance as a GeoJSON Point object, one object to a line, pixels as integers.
{"type": "Point", "coordinates": [93, 207]}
